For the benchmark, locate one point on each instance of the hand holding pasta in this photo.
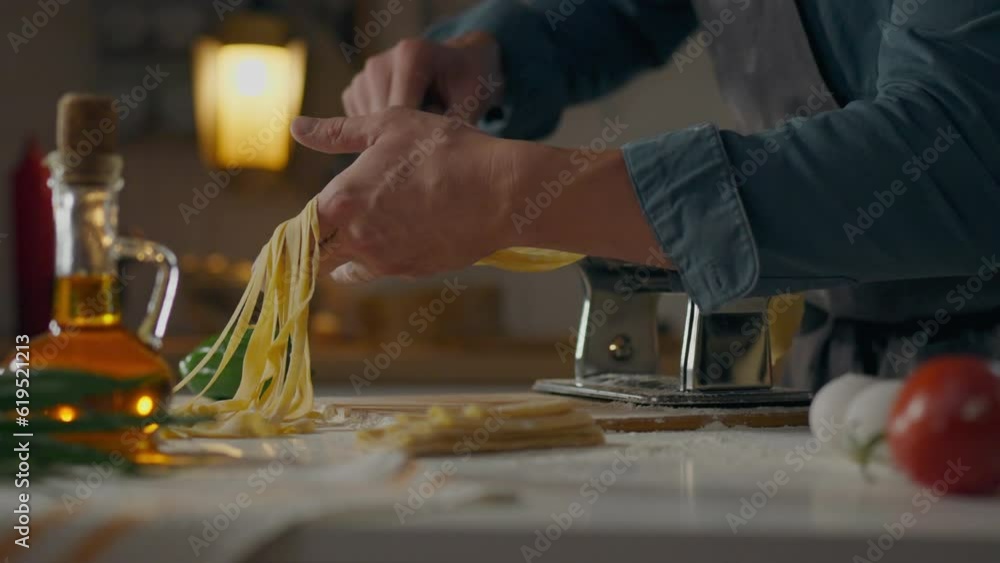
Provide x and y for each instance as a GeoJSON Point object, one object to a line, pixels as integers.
{"type": "Point", "coordinates": [430, 194]}
{"type": "Point", "coordinates": [427, 194]}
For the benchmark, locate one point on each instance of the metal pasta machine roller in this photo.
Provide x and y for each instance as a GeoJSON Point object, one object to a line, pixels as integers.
{"type": "Point", "coordinates": [726, 356]}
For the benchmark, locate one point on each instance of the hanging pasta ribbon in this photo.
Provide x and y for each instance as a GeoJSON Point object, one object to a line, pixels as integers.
{"type": "Point", "coordinates": [281, 285]}
{"type": "Point", "coordinates": [275, 394]}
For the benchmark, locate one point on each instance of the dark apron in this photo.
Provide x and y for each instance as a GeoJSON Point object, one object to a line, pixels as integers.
{"type": "Point", "coordinates": [766, 73]}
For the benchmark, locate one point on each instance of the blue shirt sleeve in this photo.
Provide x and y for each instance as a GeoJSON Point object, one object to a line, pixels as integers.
{"type": "Point", "coordinates": [559, 52]}
{"type": "Point", "coordinates": [905, 185]}
{"type": "Point", "coordinates": [902, 184]}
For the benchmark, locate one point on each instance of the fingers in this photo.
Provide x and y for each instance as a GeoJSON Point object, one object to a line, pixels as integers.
{"type": "Point", "coordinates": [352, 273]}
{"type": "Point", "coordinates": [335, 207]}
{"type": "Point", "coordinates": [356, 95]}
{"type": "Point", "coordinates": [341, 262]}
{"type": "Point", "coordinates": [336, 135]}
{"type": "Point", "coordinates": [331, 253]}
{"type": "Point", "coordinates": [369, 90]}
{"type": "Point", "coordinates": [409, 87]}
{"type": "Point", "coordinates": [349, 100]}
{"type": "Point", "coordinates": [376, 96]}
{"type": "Point", "coordinates": [411, 77]}
{"type": "Point", "coordinates": [336, 258]}
{"type": "Point", "coordinates": [398, 77]}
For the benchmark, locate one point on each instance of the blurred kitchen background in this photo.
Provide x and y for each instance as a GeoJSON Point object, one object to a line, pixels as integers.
{"type": "Point", "coordinates": [503, 329]}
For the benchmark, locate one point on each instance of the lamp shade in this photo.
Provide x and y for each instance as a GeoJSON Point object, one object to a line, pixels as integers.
{"type": "Point", "coordinates": [246, 94]}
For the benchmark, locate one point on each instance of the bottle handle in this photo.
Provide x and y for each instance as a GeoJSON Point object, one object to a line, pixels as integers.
{"type": "Point", "coordinates": [154, 325]}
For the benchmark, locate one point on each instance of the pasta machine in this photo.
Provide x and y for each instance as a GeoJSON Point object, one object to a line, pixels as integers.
{"type": "Point", "coordinates": [726, 356]}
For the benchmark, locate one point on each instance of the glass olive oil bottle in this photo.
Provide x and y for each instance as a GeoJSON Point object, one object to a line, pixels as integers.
{"type": "Point", "coordinates": [86, 332]}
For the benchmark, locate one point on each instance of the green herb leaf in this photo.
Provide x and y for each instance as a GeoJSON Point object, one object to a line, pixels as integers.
{"type": "Point", "coordinates": [51, 387]}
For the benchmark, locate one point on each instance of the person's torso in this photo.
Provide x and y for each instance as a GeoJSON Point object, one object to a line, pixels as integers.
{"type": "Point", "coordinates": [784, 59]}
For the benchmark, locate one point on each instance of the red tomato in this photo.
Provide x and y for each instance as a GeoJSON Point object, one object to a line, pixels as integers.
{"type": "Point", "coordinates": [944, 428]}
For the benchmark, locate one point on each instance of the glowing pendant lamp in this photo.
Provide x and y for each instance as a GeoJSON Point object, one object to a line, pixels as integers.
{"type": "Point", "coordinates": [248, 86]}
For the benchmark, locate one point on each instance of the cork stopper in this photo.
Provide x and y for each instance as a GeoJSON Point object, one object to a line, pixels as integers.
{"type": "Point", "coordinates": [87, 134]}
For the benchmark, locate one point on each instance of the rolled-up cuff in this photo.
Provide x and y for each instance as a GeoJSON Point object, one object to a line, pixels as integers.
{"type": "Point", "coordinates": [684, 183]}
{"type": "Point", "coordinates": [534, 94]}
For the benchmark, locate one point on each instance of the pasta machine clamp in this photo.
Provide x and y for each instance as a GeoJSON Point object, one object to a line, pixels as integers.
{"type": "Point", "coordinates": [725, 359]}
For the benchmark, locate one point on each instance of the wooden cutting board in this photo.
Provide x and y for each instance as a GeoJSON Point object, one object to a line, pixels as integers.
{"type": "Point", "coordinates": [620, 417]}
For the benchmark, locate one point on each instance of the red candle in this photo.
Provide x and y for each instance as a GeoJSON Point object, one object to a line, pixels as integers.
{"type": "Point", "coordinates": [34, 241]}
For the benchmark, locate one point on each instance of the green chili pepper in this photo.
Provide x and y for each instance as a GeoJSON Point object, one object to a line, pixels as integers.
{"type": "Point", "coordinates": [229, 380]}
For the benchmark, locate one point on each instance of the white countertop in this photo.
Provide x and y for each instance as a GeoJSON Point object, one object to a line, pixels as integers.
{"type": "Point", "coordinates": [669, 496]}
{"type": "Point", "coordinates": [679, 498]}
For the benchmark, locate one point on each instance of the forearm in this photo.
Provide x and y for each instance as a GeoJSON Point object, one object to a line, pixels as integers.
{"type": "Point", "coordinates": [565, 199]}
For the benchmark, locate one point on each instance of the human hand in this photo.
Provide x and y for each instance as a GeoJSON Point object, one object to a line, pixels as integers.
{"type": "Point", "coordinates": [426, 195]}
{"type": "Point", "coordinates": [429, 194]}
{"type": "Point", "coordinates": [462, 75]}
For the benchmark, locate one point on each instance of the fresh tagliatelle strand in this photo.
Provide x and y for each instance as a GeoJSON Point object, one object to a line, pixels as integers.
{"type": "Point", "coordinates": [282, 282]}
